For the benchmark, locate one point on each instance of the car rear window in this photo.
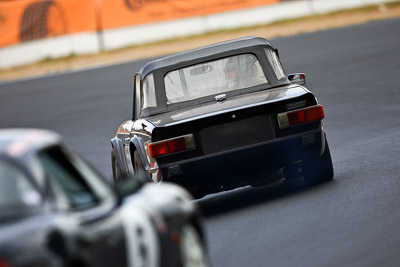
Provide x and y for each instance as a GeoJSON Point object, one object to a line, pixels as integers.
{"type": "Point", "coordinates": [214, 77]}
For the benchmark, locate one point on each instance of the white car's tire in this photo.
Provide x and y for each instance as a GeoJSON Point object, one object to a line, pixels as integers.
{"type": "Point", "coordinates": [192, 249]}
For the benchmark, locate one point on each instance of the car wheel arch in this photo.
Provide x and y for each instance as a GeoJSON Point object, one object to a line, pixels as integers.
{"type": "Point", "coordinates": [137, 144]}
{"type": "Point", "coordinates": [139, 158]}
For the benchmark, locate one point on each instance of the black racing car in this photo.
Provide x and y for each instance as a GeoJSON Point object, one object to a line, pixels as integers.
{"type": "Point", "coordinates": [55, 210]}
{"type": "Point", "coordinates": [220, 117]}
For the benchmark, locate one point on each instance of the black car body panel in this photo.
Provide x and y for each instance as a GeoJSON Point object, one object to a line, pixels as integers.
{"type": "Point", "coordinates": [232, 104]}
{"type": "Point", "coordinates": [234, 137]}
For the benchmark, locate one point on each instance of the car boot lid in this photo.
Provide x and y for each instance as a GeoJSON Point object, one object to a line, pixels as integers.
{"type": "Point", "coordinates": [226, 105]}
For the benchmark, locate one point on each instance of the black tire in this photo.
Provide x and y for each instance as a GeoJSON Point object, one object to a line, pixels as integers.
{"type": "Point", "coordinates": [134, 5]}
{"type": "Point", "coordinates": [116, 169]}
{"type": "Point", "coordinates": [192, 248]}
{"type": "Point", "coordinates": [138, 168]}
{"type": "Point", "coordinates": [36, 23]}
{"type": "Point", "coordinates": [197, 192]}
{"type": "Point", "coordinates": [319, 170]}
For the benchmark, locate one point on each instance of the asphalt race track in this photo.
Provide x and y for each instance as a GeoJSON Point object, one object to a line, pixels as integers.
{"type": "Point", "coordinates": [351, 221]}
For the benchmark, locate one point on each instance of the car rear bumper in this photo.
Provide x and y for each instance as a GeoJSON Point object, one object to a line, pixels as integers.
{"type": "Point", "coordinates": [240, 167]}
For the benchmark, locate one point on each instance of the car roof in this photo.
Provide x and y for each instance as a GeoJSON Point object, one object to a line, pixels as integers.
{"type": "Point", "coordinates": [18, 142]}
{"type": "Point", "coordinates": [189, 57]}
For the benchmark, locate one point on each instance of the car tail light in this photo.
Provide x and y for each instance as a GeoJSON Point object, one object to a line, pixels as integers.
{"type": "Point", "coordinates": [300, 116]}
{"type": "Point", "coordinates": [171, 146]}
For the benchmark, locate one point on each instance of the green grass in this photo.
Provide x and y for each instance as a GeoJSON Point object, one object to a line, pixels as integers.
{"type": "Point", "coordinates": [52, 59]}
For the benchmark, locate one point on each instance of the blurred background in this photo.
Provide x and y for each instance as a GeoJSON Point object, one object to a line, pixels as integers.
{"type": "Point", "coordinates": [34, 30]}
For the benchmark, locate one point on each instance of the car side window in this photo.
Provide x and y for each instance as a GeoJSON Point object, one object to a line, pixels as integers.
{"type": "Point", "coordinates": [16, 190]}
{"type": "Point", "coordinates": [80, 184]}
{"type": "Point", "coordinates": [149, 92]}
{"type": "Point", "coordinates": [276, 64]}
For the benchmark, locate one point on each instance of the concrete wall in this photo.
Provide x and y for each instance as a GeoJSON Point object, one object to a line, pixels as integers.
{"type": "Point", "coordinates": [92, 42]}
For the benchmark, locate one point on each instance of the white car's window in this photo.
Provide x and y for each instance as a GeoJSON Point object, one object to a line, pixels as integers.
{"type": "Point", "coordinates": [149, 92]}
{"type": "Point", "coordinates": [81, 185]}
{"type": "Point", "coordinates": [276, 64]}
{"type": "Point", "coordinates": [210, 78]}
{"type": "Point", "coordinates": [15, 188]}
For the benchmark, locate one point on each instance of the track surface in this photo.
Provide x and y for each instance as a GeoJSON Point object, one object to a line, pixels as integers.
{"type": "Point", "coordinates": [352, 221]}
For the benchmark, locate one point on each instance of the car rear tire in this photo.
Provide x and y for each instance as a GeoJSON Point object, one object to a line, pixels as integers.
{"type": "Point", "coordinates": [138, 167]}
{"type": "Point", "coordinates": [197, 191]}
{"type": "Point", "coordinates": [319, 170]}
{"type": "Point", "coordinates": [116, 170]}
{"type": "Point", "coordinates": [192, 248]}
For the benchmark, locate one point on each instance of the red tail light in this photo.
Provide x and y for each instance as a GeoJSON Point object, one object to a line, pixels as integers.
{"type": "Point", "coordinates": [171, 146]}
{"type": "Point", "coordinates": [300, 116]}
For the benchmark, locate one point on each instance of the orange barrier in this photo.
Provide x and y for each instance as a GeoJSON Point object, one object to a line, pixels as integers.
{"type": "Point", "coordinates": [28, 20]}
{"type": "Point", "coordinates": [131, 12]}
